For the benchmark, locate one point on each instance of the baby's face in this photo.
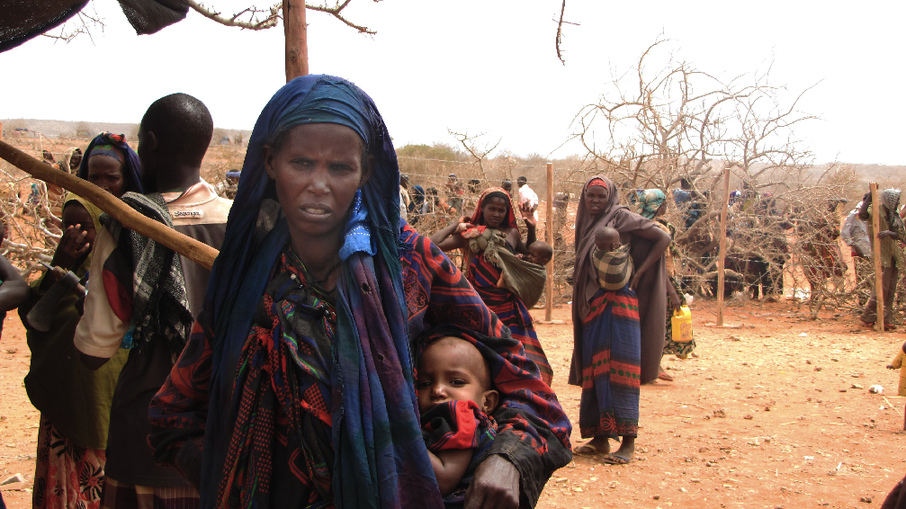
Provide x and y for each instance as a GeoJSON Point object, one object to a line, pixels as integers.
{"type": "Point", "coordinates": [452, 369]}
{"type": "Point", "coordinates": [537, 256]}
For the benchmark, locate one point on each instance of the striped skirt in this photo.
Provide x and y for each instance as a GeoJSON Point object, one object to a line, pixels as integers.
{"type": "Point", "coordinates": [611, 366]}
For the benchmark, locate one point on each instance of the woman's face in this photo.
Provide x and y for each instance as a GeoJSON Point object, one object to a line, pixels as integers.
{"type": "Point", "coordinates": [317, 171]}
{"type": "Point", "coordinates": [596, 199]}
{"type": "Point", "coordinates": [107, 173]}
{"type": "Point", "coordinates": [494, 211]}
{"type": "Point", "coordinates": [74, 161]}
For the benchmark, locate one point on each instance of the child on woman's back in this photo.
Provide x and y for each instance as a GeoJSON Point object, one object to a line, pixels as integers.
{"type": "Point", "coordinates": [611, 259]}
{"type": "Point", "coordinates": [455, 398]}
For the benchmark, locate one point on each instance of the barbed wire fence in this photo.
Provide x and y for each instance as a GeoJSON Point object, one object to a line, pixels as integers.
{"type": "Point", "coordinates": [782, 233]}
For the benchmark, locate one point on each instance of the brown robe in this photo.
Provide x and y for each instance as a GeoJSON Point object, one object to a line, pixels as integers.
{"type": "Point", "coordinates": [651, 290]}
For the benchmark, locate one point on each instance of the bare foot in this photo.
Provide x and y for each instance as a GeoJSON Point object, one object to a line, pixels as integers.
{"type": "Point", "coordinates": [624, 454]}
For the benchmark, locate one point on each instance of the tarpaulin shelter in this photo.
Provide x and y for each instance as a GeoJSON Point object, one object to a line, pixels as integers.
{"type": "Point", "coordinates": [21, 20]}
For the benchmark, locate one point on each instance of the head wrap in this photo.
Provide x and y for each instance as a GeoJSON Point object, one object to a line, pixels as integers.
{"type": "Point", "coordinates": [382, 466]}
{"type": "Point", "coordinates": [115, 146]}
{"type": "Point", "coordinates": [494, 192]}
{"type": "Point", "coordinates": [64, 163]}
{"type": "Point", "coordinates": [890, 198]}
{"type": "Point", "coordinates": [93, 211]}
{"type": "Point", "coordinates": [109, 151]}
{"type": "Point", "coordinates": [650, 200]}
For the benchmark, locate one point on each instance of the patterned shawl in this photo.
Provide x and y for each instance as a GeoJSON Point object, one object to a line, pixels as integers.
{"type": "Point", "coordinates": [132, 168]}
{"type": "Point", "coordinates": [650, 200]}
{"type": "Point", "coordinates": [155, 281]}
{"type": "Point", "coordinates": [371, 376]}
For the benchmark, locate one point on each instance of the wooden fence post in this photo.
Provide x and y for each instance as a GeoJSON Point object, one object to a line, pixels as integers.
{"type": "Point", "coordinates": [722, 254]}
{"type": "Point", "coordinates": [295, 33]}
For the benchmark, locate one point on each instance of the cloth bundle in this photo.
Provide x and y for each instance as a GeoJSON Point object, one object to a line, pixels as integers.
{"type": "Point", "coordinates": [523, 278]}
{"type": "Point", "coordinates": [614, 268]}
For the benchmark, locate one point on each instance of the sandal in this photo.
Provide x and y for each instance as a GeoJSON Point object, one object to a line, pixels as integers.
{"type": "Point", "coordinates": [587, 449]}
{"type": "Point", "coordinates": [616, 459]}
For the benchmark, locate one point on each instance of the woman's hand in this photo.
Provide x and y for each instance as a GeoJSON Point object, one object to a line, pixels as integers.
{"type": "Point", "coordinates": [634, 281]}
{"type": "Point", "coordinates": [463, 226]}
{"type": "Point", "coordinates": [675, 299]}
{"type": "Point", "coordinates": [73, 245]}
{"type": "Point", "coordinates": [886, 234]}
{"type": "Point", "coordinates": [527, 211]}
{"type": "Point", "coordinates": [495, 485]}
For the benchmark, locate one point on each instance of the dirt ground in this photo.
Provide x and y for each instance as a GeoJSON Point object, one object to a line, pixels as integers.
{"type": "Point", "coordinates": [775, 411]}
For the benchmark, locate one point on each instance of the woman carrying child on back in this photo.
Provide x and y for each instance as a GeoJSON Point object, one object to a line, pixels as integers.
{"type": "Point", "coordinates": [607, 356]}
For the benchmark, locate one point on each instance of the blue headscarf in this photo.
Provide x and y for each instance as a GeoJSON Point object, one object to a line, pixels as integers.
{"type": "Point", "coordinates": [373, 466]}
{"type": "Point", "coordinates": [132, 168]}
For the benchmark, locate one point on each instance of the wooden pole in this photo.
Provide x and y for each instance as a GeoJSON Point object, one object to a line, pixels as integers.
{"type": "Point", "coordinates": [295, 33]}
{"type": "Point", "coordinates": [549, 235]}
{"type": "Point", "coordinates": [876, 256]}
{"type": "Point", "coordinates": [192, 249]}
{"type": "Point", "coordinates": [722, 254]}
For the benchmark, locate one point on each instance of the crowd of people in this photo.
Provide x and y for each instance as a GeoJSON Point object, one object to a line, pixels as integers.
{"type": "Point", "coordinates": [334, 343]}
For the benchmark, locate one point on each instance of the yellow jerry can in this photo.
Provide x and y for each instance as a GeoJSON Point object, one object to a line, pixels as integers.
{"type": "Point", "coordinates": [681, 323]}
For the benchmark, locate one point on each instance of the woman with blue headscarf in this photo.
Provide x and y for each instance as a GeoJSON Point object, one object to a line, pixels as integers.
{"type": "Point", "coordinates": [296, 388]}
{"type": "Point", "coordinates": [117, 170]}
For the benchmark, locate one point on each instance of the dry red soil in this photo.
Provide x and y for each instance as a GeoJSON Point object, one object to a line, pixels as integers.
{"type": "Point", "coordinates": [775, 411]}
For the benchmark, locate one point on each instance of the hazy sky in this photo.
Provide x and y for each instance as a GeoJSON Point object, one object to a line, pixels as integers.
{"type": "Point", "coordinates": [485, 66]}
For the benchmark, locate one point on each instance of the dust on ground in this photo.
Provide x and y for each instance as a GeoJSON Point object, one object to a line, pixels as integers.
{"type": "Point", "coordinates": [775, 411]}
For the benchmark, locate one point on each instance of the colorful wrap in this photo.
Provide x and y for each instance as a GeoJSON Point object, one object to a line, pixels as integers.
{"type": "Point", "coordinates": [610, 366]}
{"type": "Point", "coordinates": [485, 272]}
{"type": "Point", "coordinates": [459, 425]}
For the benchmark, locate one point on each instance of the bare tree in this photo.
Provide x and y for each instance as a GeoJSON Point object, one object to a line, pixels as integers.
{"type": "Point", "coordinates": [666, 122]}
{"type": "Point", "coordinates": [479, 154]}
{"type": "Point", "coordinates": [252, 17]}
{"type": "Point", "coordinates": [256, 18]}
